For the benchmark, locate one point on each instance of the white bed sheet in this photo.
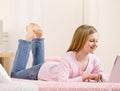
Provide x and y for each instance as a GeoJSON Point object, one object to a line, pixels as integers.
{"type": "Point", "coordinates": [18, 86]}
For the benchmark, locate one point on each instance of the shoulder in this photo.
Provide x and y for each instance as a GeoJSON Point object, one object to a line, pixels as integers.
{"type": "Point", "coordinates": [68, 58]}
{"type": "Point", "coordinates": [69, 54]}
{"type": "Point", "coordinates": [94, 58]}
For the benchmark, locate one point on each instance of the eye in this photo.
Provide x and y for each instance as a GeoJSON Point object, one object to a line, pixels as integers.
{"type": "Point", "coordinates": [97, 41]}
{"type": "Point", "coordinates": [91, 40]}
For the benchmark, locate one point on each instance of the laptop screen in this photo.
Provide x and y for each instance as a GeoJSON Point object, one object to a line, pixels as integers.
{"type": "Point", "coordinates": [115, 72]}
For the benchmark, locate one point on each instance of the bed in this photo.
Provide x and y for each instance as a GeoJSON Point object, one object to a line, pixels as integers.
{"type": "Point", "coordinates": [32, 85]}
{"type": "Point", "coordinates": [38, 85]}
{"type": "Point", "coordinates": [18, 86]}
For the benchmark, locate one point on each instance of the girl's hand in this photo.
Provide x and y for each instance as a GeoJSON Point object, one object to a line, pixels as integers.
{"type": "Point", "coordinates": [95, 77]}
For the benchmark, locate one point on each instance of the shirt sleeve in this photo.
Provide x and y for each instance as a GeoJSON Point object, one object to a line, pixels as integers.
{"type": "Point", "coordinates": [98, 68]}
{"type": "Point", "coordinates": [65, 71]}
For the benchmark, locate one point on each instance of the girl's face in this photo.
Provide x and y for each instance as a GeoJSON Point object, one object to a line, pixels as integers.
{"type": "Point", "coordinates": [91, 43]}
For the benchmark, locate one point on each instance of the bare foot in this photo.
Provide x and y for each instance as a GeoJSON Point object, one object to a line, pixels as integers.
{"type": "Point", "coordinates": [29, 36]}
{"type": "Point", "coordinates": [38, 33]}
{"type": "Point", "coordinates": [29, 33]}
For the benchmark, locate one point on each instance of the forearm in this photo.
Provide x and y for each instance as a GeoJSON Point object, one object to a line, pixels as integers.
{"type": "Point", "coordinates": [75, 79]}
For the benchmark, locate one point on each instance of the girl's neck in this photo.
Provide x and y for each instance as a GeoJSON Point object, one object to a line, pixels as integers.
{"type": "Point", "coordinates": [81, 56]}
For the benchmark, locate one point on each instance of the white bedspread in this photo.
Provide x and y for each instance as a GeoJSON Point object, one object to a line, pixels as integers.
{"type": "Point", "coordinates": [18, 86]}
{"type": "Point", "coordinates": [72, 86]}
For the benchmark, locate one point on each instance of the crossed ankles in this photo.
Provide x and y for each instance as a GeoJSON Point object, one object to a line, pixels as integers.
{"type": "Point", "coordinates": [38, 33]}
{"type": "Point", "coordinates": [33, 31]}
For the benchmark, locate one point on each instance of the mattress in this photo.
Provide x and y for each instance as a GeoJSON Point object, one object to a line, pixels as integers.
{"type": "Point", "coordinates": [38, 85]}
{"type": "Point", "coordinates": [18, 86]}
{"type": "Point", "coordinates": [71, 86]}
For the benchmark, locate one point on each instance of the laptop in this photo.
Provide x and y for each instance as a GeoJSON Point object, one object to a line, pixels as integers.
{"type": "Point", "coordinates": [115, 72]}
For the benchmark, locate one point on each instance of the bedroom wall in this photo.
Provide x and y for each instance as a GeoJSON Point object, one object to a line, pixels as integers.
{"type": "Point", "coordinates": [104, 14]}
{"type": "Point", "coordinates": [59, 19]}
{"type": "Point", "coordinates": [4, 13]}
{"type": "Point", "coordinates": [109, 22]}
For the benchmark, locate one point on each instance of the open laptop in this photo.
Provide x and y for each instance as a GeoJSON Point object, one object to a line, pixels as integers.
{"type": "Point", "coordinates": [115, 72]}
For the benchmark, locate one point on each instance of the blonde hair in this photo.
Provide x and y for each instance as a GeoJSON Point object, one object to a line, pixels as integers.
{"type": "Point", "coordinates": [80, 37]}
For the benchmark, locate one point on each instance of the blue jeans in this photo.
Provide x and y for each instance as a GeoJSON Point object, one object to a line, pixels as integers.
{"type": "Point", "coordinates": [19, 66]}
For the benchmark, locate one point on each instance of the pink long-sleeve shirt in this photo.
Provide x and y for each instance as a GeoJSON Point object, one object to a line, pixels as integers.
{"type": "Point", "coordinates": [68, 69]}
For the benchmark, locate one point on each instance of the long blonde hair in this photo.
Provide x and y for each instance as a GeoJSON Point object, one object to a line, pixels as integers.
{"type": "Point", "coordinates": [80, 37]}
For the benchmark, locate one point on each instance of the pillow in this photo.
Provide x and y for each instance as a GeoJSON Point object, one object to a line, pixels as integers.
{"type": "Point", "coordinates": [4, 77]}
{"type": "Point", "coordinates": [53, 58]}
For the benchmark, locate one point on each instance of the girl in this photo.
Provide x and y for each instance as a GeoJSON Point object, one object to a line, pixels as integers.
{"type": "Point", "coordinates": [78, 64]}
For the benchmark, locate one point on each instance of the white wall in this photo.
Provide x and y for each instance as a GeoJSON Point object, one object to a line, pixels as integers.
{"type": "Point", "coordinates": [104, 15]}
{"type": "Point", "coordinates": [60, 18]}
{"type": "Point", "coordinates": [4, 13]}
{"type": "Point", "coordinates": [109, 28]}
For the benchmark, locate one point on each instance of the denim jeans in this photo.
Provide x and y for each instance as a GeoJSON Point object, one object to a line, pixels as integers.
{"type": "Point", "coordinates": [20, 62]}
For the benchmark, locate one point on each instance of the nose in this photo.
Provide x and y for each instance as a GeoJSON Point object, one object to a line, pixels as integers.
{"type": "Point", "coordinates": [95, 44]}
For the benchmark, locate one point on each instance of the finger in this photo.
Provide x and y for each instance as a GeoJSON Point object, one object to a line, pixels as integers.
{"type": "Point", "coordinates": [86, 80]}
{"type": "Point", "coordinates": [100, 78]}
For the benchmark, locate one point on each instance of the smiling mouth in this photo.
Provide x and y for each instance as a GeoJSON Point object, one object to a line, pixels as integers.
{"type": "Point", "coordinates": [93, 48]}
